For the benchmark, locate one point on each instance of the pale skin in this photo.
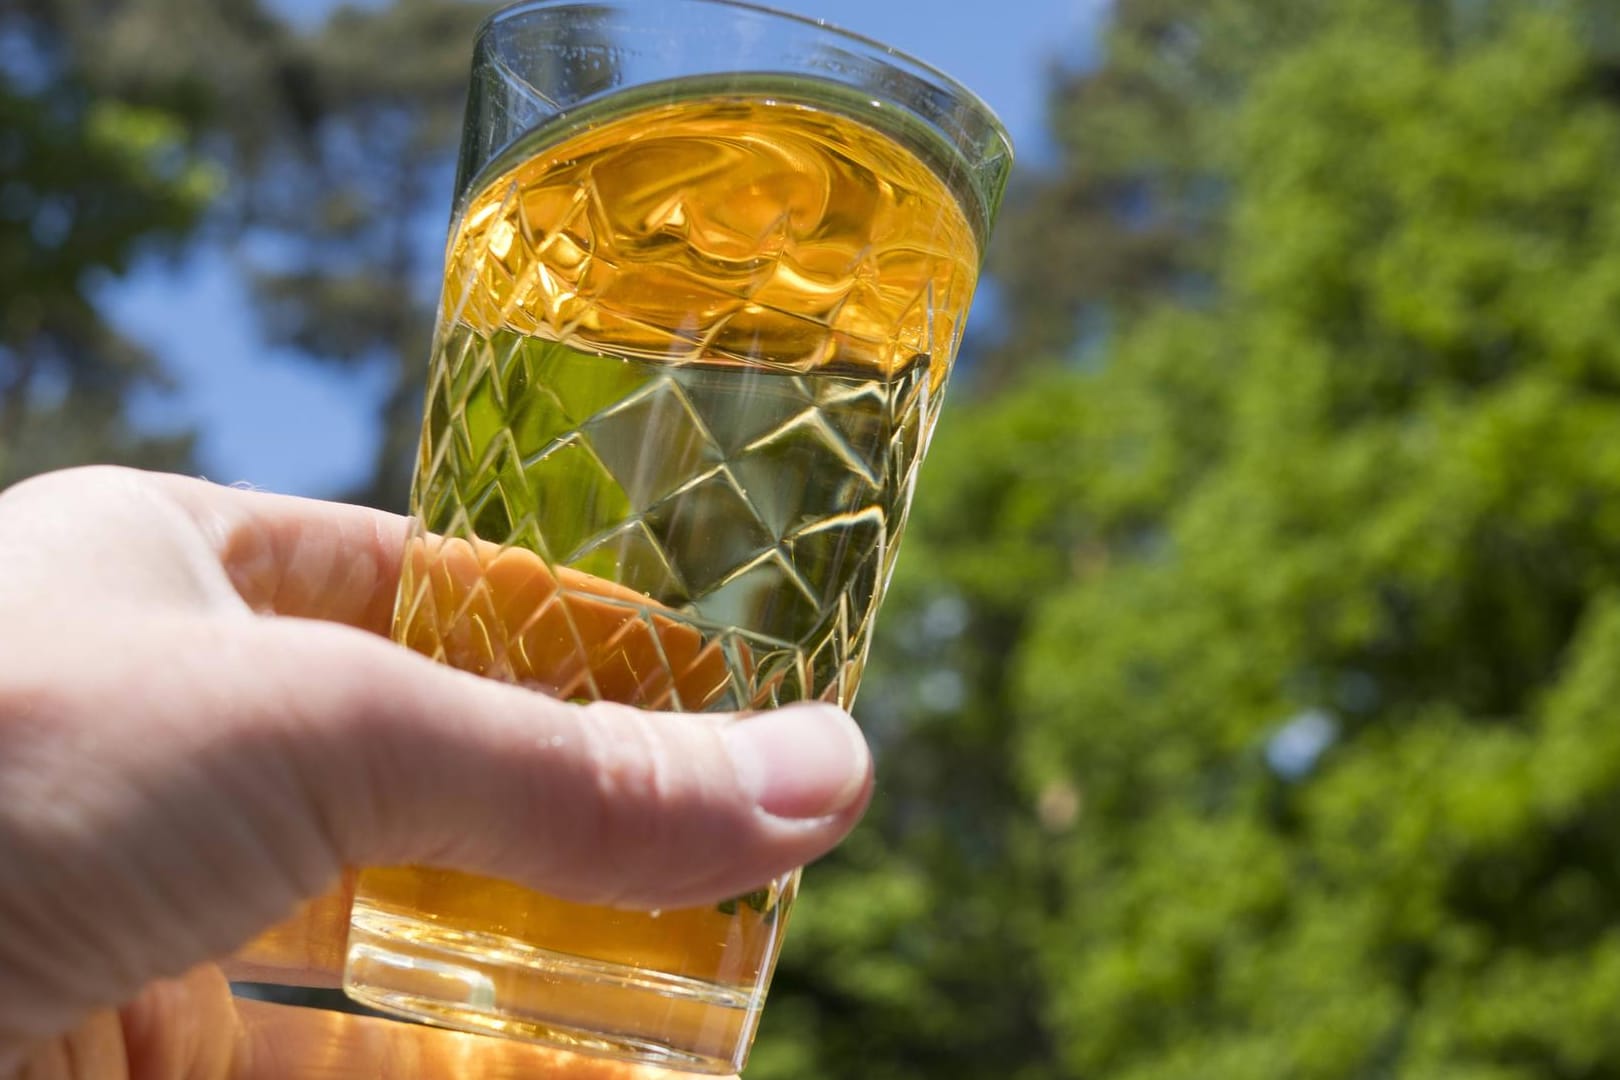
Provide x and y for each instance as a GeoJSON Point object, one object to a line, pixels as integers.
{"type": "Point", "coordinates": [202, 724]}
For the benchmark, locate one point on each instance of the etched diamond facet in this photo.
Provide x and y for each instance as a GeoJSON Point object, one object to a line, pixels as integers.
{"type": "Point", "coordinates": [709, 530]}
{"type": "Point", "coordinates": [653, 443]}
{"type": "Point", "coordinates": [697, 412]}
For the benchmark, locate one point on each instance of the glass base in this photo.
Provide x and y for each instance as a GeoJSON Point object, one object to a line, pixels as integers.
{"type": "Point", "coordinates": [497, 985]}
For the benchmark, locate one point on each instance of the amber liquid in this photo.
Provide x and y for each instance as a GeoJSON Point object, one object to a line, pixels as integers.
{"type": "Point", "coordinates": [687, 364]}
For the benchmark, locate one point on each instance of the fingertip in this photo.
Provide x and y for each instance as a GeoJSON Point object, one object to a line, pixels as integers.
{"type": "Point", "coordinates": [801, 762]}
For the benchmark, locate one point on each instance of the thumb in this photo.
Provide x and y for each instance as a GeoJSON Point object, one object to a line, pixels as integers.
{"type": "Point", "coordinates": [250, 759]}
{"type": "Point", "coordinates": [411, 761]}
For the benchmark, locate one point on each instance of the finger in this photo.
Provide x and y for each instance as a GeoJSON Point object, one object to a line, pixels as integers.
{"type": "Point", "coordinates": [300, 557]}
{"type": "Point", "coordinates": [191, 1028]}
{"type": "Point", "coordinates": [504, 613]}
{"type": "Point", "coordinates": [102, 542]}
{"type": "Point", "coordinates": [408, 761]}
{"type": "Point", "coordinates": [248, 767]}
{"type": "Point", "coordinates": [486, 608]}
{"type": "Point", "coordinates": [185, 1028]}
{"type": "Point", "coordinates": [196, 542]}
{"type": "Point", "coordinates": [93, 1051]}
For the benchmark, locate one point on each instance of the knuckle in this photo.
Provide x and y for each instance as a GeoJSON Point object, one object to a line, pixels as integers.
{"type": "Point", "coordinates": [639, 786]}
{"type": "Point", "coordinates": [635, 766]}
{"type": "Point", "coordinates": [38, 714]}
{"type": "Point", "coordinates": [659, 824]}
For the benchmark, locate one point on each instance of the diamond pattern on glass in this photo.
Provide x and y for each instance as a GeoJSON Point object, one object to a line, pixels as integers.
{"type": "Point", "coordinates": [808, 444]}
{"type": "Point", "coordinates": [636, 559]}
{"type": "Point", "coordinates": [620, 437]}
{"type": "Point", "coordinates": [759, 403]}
{"type": "Point", "coordinates": [571, 495]}
{"type": "Point", "coordinates": [769, 596]}
{"type": "Point", "coordinates": [837, 551]}
{"type": "Point", "coordinates": [776, 578]}
{"type": "Point", "coordinates": [705, 518]}
{"type": "Point", "coordinates": [709, 530]}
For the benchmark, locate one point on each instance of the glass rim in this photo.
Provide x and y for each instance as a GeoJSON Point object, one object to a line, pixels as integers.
{"type": "Point", "coordinates": [951, 85]}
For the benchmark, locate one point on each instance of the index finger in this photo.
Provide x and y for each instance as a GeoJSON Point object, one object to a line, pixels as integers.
{"type": "Point", "coordinates": [485, 608]}
{"type": "Point", "coordinates": [301, 557]}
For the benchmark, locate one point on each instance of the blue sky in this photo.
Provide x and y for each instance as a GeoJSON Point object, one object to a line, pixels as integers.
{"type": "Point", "coordinates": [273, 419]}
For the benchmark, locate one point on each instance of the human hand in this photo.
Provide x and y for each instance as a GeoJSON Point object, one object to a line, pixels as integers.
{"type": "Point", "coordinates": [201, 726]}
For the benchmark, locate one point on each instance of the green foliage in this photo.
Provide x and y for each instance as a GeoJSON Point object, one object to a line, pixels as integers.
{"type": "Point", "coordinates": [320, 157]}
{"type": "Point", "coordinates": [1243, 698]}
{"type": "Point", "coordinates": [1284, 621]}
{"type": "Point", "coordinates": [355, 200]}
{"type": "Point", "coordinates": [88, 182]}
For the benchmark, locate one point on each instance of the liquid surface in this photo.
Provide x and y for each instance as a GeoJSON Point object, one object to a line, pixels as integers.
{"type": "Point", "coordinates": [687, 365]}
{"type": "Point", "coordinates": [755, 231]}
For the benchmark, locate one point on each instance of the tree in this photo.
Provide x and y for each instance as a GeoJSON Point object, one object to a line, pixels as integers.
{"type": "Point", "coordinates": [327, 157]}
{"type": "Point", "coordinates": [1279, 621]}
{"type": "Point", "coordinates": [362, 197]}
{"type": "Point", "coordinates": [130, 128]}
{"type": "Point", "coordinates": [1134, 208]}
{"type": "Point", "coordinates": [356, 201]}
{"type": "Point", "coordinates": [89, 181]}
{"type": "Point", "coordinates": [1347, 698]}
{"type": "Point", "coordinates": [1241, 698]}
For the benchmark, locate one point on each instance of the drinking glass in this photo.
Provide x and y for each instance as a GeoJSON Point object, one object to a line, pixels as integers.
{"type": "Point", "coordinates": [706, 277]}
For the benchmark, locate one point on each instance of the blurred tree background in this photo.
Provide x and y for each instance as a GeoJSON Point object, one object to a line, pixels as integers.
{"type": "Point", "coordinates": [1243, 698]}
{"type": "Point", "coordinates": [322, 159]}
